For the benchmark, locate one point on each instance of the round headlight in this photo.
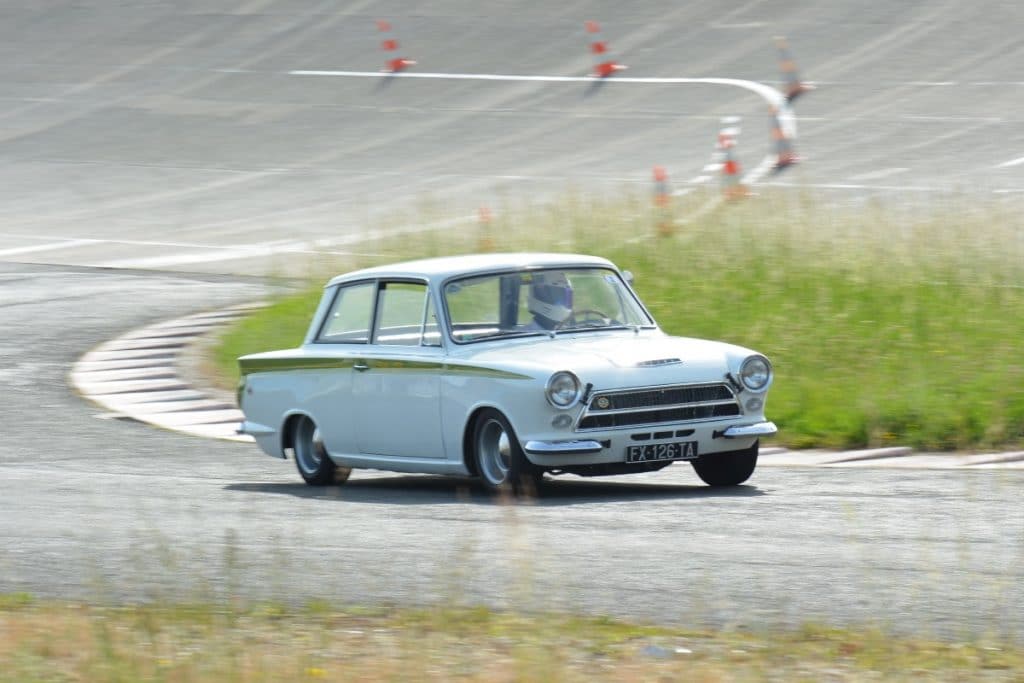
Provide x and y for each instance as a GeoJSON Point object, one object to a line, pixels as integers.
{"type": "Point", "coordinates": [756, 373]}
{"type": "Point", "coordinates": [563, 390]}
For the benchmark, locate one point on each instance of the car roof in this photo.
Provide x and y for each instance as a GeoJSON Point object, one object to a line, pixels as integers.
{"type": "Point", "coordinates": [448, 266]}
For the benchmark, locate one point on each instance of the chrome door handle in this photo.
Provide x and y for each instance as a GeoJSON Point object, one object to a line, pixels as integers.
{"type": "Point", "coordinates": [360, 367]}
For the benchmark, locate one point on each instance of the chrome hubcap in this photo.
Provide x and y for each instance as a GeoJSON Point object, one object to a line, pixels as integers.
{"type": "Point", "coordinates": [309, 447]}
{"type": "Point", "coordinates": [495, 451]}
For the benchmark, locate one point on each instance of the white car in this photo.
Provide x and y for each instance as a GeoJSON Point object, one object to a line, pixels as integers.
{"type": "Point", "coordinates": [503, 366]}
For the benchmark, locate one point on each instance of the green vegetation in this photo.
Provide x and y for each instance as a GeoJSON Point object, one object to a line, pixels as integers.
{"type": "Point", "coordinates": [243, 644]}
{"type": "Point", "coordinates": [887, 325]}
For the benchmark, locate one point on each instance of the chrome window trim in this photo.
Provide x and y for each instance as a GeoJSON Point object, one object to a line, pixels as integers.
{"type": "Point", "coordinates": [382, 284]}
{"type": "Point", "coordinates": [318, 338]}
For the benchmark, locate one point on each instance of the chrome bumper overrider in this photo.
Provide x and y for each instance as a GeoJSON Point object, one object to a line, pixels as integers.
{"type": "Point", "coordinates": [563, 447]}
{"type": "Point", "coordinates": [739, 431]}
{"type": "Point", "coordinates": [254, 429]}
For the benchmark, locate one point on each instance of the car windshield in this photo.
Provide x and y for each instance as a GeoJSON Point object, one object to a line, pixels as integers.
{"type": "Point", "coordinates": [546, 301]}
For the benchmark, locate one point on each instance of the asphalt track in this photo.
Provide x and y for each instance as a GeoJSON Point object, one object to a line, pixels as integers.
{"type": "Point", "coordinates": [159, 158]}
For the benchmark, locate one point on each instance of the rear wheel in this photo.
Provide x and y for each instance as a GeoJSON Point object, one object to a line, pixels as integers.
{"type": "Point", "coordinates": [311, 459]}
{"type": "Point", "coordinates": [727, 469]}
{"type": "Point", "coordinates": [499, 459]}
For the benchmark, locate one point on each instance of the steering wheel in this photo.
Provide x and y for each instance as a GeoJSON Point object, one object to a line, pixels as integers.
{"type": "Point", "coordinates": [586, 317]}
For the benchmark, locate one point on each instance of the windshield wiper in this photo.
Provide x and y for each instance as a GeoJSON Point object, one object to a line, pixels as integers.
{"type": "Point", "coordinates": [504, 335]}
{"type": "Point", "coordinates": [592, 328]}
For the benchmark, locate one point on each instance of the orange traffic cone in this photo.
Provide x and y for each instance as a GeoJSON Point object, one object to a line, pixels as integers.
{"type": "Point", "coordinates": [486, 242]}
{"type": "Point", "coordinates": [785, 155]}
{"type": "Point", "coordinates": [794, 86]}
{"type": "Point", "coordinates": [732, 171]}
{"type": "Point", "coordinates": [393, 64]}
{"type": "Point", "coordinates": [662, 201]}
{"type": "Point", "coordinates": [603, 66]}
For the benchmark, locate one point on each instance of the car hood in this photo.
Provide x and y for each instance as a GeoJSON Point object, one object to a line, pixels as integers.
{"type": "Point", "coordinates": [624, 355]}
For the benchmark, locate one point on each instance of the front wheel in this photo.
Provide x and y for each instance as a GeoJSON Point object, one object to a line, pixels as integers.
{"type": "Point", "coordinates": [727, 469]}
{"type": "Point", "coordinates": [311, 459]}
{"type": "Point", "coordinates": [500, 461]}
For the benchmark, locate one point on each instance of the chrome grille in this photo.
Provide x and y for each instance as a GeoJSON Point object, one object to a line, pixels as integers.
{"type": "Point", "coordinates": [658, 405]}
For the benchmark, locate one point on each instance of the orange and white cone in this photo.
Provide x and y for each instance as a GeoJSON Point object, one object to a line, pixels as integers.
{"type": "Point", "coordinates": [393, 63]}
{"type": "Point", "coordinates": [794, 87]}
{"type": "Point", "coordinates": [662, 202]}
{"type": "Point", "coordinates": [784, 153]}
{"type": "Point", "coordinates": [604, 66]}
{"type": "Point", "coordinates": [732, 171]}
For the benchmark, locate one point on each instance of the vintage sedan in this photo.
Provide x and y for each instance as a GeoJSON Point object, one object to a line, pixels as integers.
{"type": "Point", "coordinates": [502, 366]}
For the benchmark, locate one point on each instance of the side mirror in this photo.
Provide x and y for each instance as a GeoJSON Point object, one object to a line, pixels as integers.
{"type": "Point", "coordinates": [628, 274]}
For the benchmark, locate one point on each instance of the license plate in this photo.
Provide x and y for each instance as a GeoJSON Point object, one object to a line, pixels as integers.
{"type": "Point", "coordinates": [653, 452]}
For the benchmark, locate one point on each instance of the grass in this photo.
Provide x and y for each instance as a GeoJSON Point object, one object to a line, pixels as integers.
{"type": "Point", "coordinates": [243, 644]}
{"type": "Point", "coordinates": [887, 325]}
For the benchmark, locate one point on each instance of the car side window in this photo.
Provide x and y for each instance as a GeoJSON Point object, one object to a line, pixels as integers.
{"type": "Point", "coordinates": [400, 311]}
{"type": "Point", "coordinates": [348, 321]}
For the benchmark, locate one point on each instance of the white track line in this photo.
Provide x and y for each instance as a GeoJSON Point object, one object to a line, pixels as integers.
{"type": "Point", "coordinates": [772, 96]}
{"type": "Point", "coordinates": [65, 244]}
{"type": "Point", "coordinates": [958, 119]}
{"type": "Point", "coordinates": [881, 173]}
{"type": "Point", "coordinates": [857, 186]}
{"type": "Point", "coordinates": [216, 253]}
{"type": "Point", "coordinates": [1012, 162]}
{"type": "Point", "coordinates": [213, 253]}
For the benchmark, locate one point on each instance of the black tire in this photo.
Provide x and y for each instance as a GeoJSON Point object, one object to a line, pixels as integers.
{"type": "Point", "coordinates": [727, 469]}
{"type": "Point", "coordinates": [311, 459]}
{"type": "Point", "coordinates": [500, 461]}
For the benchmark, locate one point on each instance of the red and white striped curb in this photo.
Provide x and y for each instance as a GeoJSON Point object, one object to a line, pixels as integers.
{"type": "Point", "coordinates": [138, 376]}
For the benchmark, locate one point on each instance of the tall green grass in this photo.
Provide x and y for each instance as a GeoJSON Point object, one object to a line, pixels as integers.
{"type": "Point", "coordinates": [270, 643]}
{"type": "Point", "coordinates": [887, 324]}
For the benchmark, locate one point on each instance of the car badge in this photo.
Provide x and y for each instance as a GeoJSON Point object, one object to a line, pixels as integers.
{"type": "Point", "coordinates": [660, 362]}
{"type": "Point", "coordinates": [603, 403]}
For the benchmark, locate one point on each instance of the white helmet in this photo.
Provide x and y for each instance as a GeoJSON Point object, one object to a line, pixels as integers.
{"type": "Point", "coordinates": [550, 298]}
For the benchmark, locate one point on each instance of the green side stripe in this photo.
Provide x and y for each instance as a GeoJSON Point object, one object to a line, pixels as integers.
{"type": "Point", "coordinates": [477, 371]}
{"type": "Point", "coordinates": [250, 366]}
{"type": "Point", "coordinates": [247, 367]}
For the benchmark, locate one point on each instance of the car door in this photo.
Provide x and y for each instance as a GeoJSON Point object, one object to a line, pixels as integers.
{"type": "Point", "coordinates": [396, 386]}
{"type": "Point", "coordinates": [343, 336]}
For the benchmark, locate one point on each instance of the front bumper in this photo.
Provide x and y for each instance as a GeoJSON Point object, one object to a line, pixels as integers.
{"type": "Point", "coordinates": [610, 446]}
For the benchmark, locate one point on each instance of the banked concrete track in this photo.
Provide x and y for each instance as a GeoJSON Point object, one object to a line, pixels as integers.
{"type": "Point", "coordinates": [182, 136]}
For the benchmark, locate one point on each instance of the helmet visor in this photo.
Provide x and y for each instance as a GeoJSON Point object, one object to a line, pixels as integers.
{"type": "Point", "coordinates": [556, 295]}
